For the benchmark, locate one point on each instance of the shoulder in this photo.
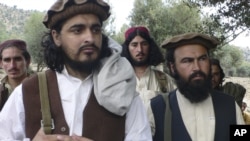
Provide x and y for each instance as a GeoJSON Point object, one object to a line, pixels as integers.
{"type": "Point", "coordinates": [221, 95]}
{"type": "Point", "coordinates": [233, 88]}
{"type": "Point", "coordinates": [223, 100]}
{"type": "Point", "coordinates": [159, 72]}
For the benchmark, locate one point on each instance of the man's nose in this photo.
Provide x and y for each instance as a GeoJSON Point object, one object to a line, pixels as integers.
{"type": "Point", "coordinates": [12, 63]}
{"type": "Point", "coordinates": [196, 66]}
{"type": "Point", "coordinates": [88, 37]}
{"type": "Point", "coordinates": [139, 48]}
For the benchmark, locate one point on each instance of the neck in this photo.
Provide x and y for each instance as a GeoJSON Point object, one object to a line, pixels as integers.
{"type": "Point", "coordinates": [140, 70]}
{"type": "Point", "coordinates": [16, 81]}
{"type": "Point", "coordinates": [78, 74]}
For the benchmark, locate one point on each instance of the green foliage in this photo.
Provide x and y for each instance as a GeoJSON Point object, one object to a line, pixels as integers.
{"type": "Point", "coordinates": [108, 25]}
{"type": "Point", "coordinates": [230, 57]}
{"type": "Point", "coordinates": [167, 19]}
{"type": "Point", "coordinates": [3, 32]}
{"type": "Point", "coordinates": [12, 21]}
{"type": "Point", "coordinates": [119, 37]}
{"type": "Point", "coordinates": [247, 53]}
{"type": "Point", "coordinates": [243, 69]}
{"type": "Point", "coordinates": [233, 16]}
{"type": "Point", "coordinates": [34, 30]}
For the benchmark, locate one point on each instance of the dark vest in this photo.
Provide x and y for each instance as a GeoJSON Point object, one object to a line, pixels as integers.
{"type": "Point", "coordinates": [4, 94]}
{"type": "Point", "coordinates": [99, 124]}
{"type": "Point", "coordinates": [225, 115]}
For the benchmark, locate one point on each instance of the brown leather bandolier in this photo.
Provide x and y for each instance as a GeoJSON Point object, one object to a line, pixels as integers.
{"type": "Point", "coordinates": [98, 123]}
{"type": "Point", "coordinates": [4, 94]}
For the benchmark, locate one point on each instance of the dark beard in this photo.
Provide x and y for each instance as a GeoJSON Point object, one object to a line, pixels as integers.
{"type": "Point", "coordinates": [138, 64]}
{"type": "Point", "coordinates": [85, 67]}
{"type": "Point", "coordinates": [197, 90]}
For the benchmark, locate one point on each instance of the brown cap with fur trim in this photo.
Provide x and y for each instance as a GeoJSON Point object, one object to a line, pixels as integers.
{"type": "Point", "coordinates": [190, 38]}
{"type": "Point", "coordinates": [64, 9]}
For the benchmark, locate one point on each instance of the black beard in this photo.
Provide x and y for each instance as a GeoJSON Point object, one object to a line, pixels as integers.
{"type": "Point", "coordinates": [138, 64]}
{"type": "Point", "coordinates": [195, 91]}
{"type": "Point", "coordinates": [87, 66]}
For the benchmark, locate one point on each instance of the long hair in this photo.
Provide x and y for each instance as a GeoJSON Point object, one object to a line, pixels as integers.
{"type": "Point", "coordinates": [155, 55]}
{"type": "Point", "coordinates": [216, 62]}
{"type": "Point", "coordinates": [53, 55]}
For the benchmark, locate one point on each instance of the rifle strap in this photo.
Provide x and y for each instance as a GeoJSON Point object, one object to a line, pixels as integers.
{"type": "Point", "coordinates": [47, 122]}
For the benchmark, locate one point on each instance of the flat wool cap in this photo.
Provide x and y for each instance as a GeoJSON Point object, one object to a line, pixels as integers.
{"type": "Point", "coordinates": [20, 44]}
{"type": "Point", "coordinates": [64, 9]}
{"type": "Point", "coordinates": [190, 38]}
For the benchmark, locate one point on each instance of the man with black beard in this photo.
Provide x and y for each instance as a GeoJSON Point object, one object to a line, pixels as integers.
{"type": "Point", "coordinates": [90, 88]}
{"type": "Point", "coordinates": [194, 111]}
{"type": "Point", "coordinates": [144, 54]}
{"type": "Point", "coordinates": [194, 90]}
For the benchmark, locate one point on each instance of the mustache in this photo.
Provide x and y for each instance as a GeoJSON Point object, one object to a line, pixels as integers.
{"type": "Point", "coordinates": [196, 74]}
{"type": "Point", "coordinates": [140, 54]}
{"type": "Point", "coordinates": [88, 46]}
{"type": "Point", "coordinates": [13, 69]}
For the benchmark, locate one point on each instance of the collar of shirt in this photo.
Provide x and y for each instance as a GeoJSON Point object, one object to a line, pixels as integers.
{"type": "Point", "coordinates": [74, 95]}
{"type": "Point", "coordinates": [197, 117]}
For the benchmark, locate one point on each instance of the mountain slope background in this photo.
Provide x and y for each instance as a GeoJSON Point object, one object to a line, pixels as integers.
{"type": "Point", "coordinates": [12, 21]}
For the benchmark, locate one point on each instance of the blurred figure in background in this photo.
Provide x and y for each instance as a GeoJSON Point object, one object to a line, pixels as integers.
{"type": "Point", "coordinates": [245, 114]}
{"type": "Point", "coordinates": [15, 61]}
{"type": "Point", "coordinates": [144, 54]}
{"type": "Point", "coordinates": [234, 89]}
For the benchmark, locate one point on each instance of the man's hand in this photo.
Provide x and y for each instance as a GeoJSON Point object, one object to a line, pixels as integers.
{"type": "Point", "coordinates": [41, 136]}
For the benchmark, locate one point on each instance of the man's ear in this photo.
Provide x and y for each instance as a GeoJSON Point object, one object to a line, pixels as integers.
{"type": "Point", "coordinates": [172, 68]}
{"type": "Point", "coordinates": [56, 37]}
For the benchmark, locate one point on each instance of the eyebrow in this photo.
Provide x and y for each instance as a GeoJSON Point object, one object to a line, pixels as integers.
{"type": "Point", "coordinates": [204, 55]}
{"type": "Point", "coordinates": [84, 25]}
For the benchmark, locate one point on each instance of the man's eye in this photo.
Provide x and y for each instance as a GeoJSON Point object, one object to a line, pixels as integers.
{"type": "Point", "coordinates": [6, 60]}
{"type": "Point", "coordinates": [203, 58]}
{"type": "Point", "coordinates": [97, 30]}
{"type": "Point", "coordinates": [77, 31]}
{"type": "Point", "coordinates": [145, 44]}
{"type": "Point", "coordinates": [134, 45]}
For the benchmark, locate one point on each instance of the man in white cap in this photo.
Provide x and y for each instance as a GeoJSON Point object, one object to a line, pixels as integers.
{"type": "Point", "coordinates": [91, 88]}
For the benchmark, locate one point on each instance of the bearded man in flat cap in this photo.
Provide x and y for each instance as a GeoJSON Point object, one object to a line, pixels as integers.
{"type": "Point", "coordinates": [194, 111]}
{"type": "Point", "coordinates": [88, 93]}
